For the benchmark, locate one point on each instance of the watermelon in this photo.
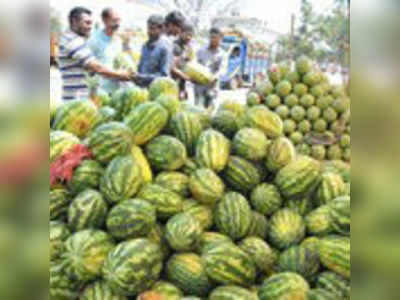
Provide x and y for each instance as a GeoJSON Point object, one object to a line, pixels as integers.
{"type": "Point", "coordinates": [299, 177]}
{"type": "Point", "coordinates": [313, 113]}
{"type": "Point", "coordinates": [286, 285]}
{"type": "Point", "coordinates": [59, 233]}
{"type": "Point", "coordinates": [77, 117]}
{"type": "Point", "coordinates": [110, 140]}
{"type": "Point", "coordinates": [233, 216]}
{"type": "Point", "coordinates": [299, 260]}
{"type": "Point", "coordinates": [318, 221]}
{"type": "Point", "coordinates": [170, 102]}
{"type": "Point", "coordinates": [225, 122]}
{"type": "Point", "coordinates": [341, 104]}
{"type": "Point", "coordinates": [274, 74]}
{"type": "Point", "coordinates": [300, 89]}
{"type": "Point", "coordinates": [320, 125]}
{"type": "Point", "coordinates": [264, 88]}
{"type": "Point", "coordinates": [260, 251]}
{"type": "Point", "coordinates": [86, 175]}
{"type": "Point", "coordinates": [175, 181]}
{"type": "Point", "coordinates": [157, 235]}
{"type": "Point", "coordinates": [99, 290]}
{"type": "Point", "coordinates": [106, 114]}
{"type": "Point", "coordinates": [60, 143]}
{"type": "Point", "coordinates": [61, 286]}
{"type": "Point", "coordinates": [282, 111]}
{"type": "Point", "coordinates": [305, 126]}
{"type": "Point", "coordinates": [289, 126]}
{"type": "Point", "coordinates": [312, 244]}
{"type": "Point", "coordinates": [291, 100]}
{"type": "Point", "coordinates": [302, 206]}
{"type": "Point", "coordinates": [267, 121]}
{"type": "Point", "coordinates": [87, 210]}
{"type": "Point", "coordinates": [334, 283]}
{"type": "Point", "coordinates": [293, 77]}
{"type": "Point", "coordinates": [330, 187]}
{"type": "Point", "coordinates": [205, 186]}
{"type": "Point", "coordinates": [303, 65]}
{"type": "Point", "coordinates": [258, 226]}
{"type": "Point", "coordinates": [126, 99]}
{"type": "Point", "coordinates": [324, 101]}
{"type": "Point", "coordinates": [273, 101]}
{"type": "Point", "coordinates": [59, 202]}
{"type": "Point", "coordinates": [283, 88]}
{"type": "Point", "coordinates": [241, 175]}
{"type": "Point", "coordinates": [312, 78]}
{"type": "Point", "coordinates": [329, 114]}
{"type": "Point", "coordinates": [189, 167]}
{"type": "Point", "coordinates": [167, 290]}
{"type": "Point", "coordinates": [139, 157]}
{"type": "Point", "coordinates": [121, 180]}
{"type": "Point", "coordinates": [212, 150]}
{"type": "Point", "coordinates": [318, 152]}
{"type": "Point", "coordinates": [266, 199]}
{"type": "Point", "coordinates": [146, 121]}
{"type": "Point", "coordinates": [297, 113]}
{"type": "Point", "coordinates": [232, 292]}
{"type": "Point", "coordinates": [209, 240]}
{"type": "Point", "coordinates": [340, 213]}
{"type": "Point", "coordinates": [183, 231]}
{"type": "Point", "coordinates": [345, 140]}
{"type": "Point", "coordinates": [334, 152]}
{"type": "Point", "coordinates": [317, 91]}
{"type": "Point", "coordinates": [130, 219]}
{"type": "Point", "coordinates": [85, 252]}
{"type": "Point", "coordinates": [253, 98]}
{"type": "Point", "coordinates": [163, 86]}
{"type": "Point", "coordinates": [303, 148]}
{"type": "Point", "coordinates": [203, 115]}
{"type": "Point", "coordinates": [320, 294]}
{"type": "Point", "coordinates": [250, 143]}
{"type": "Point", "coordinates": [226, 263]}
{"type": "Point", "coordinates": [166, 153]}
{"type": "Point", "coordinates": [133, 266]}
{"type": "Point", "coordinates": [186, 127]}
{"type": "Point", "coordinates": [199, 73]}
{"type": "Point", "coordinates": [202, 213]}
{"type": "Point", "coordinates": [287, 228]}
{"type": "Point", "coordinates": [335, 254]}
{"type": "Point", "coordinates": [281, 153]}
{"type": "Point", "coordinates": [187, 271]}
{"type": "Point", "coordinates": [166, 202]}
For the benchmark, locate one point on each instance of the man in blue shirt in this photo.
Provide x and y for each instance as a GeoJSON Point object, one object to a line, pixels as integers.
{"type": "Point", "coordinates": [156, 58]}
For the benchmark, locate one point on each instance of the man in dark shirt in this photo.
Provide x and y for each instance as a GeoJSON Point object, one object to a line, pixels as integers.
{"type": "Point", "coordinates": [156, 58]}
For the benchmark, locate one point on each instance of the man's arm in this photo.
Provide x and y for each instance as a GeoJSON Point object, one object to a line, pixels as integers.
{"type": "Point", "coordinates": [98, 68]}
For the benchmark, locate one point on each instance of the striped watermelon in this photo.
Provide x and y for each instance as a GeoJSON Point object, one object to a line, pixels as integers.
{"type": "Point", "coordinates": [299, 260]}
{"type": "Point", "coordinates": [183, 231]}
{"type": "Point", "coordinates": [167, 290]}
{"type": "Point", "coordinates": [319, 221]}
{"type": "Point", "coordinates": [250, 143]}
{"type": "Point", "coordinates": [212, 150]}
{"type": "Point", "coordinates": [226, 122]}
{"type": "Point", "coordinates": [331, 187]}
{"type": "Point", "coordinates": [241, 175]}
{"type": "Point", "coordinates": [338, 167]}
{"type": "Point", "coordinates": [258, 226]}
{"type": "Point", "coordinates": [87, 210]}
{"type": "Point", "coordinates": [77, 117]}
{"type": "Point", "coordinates": [157, 235]}
{"type": "Point", "coordinates": [281, 153]}
{"type": "Point", "coordinates": [59, 233]}
{"type": "Point", "coordinates": [208, 240]}
{"type": "Point", "coordinates": [166, 153]}
{"type": "Point", "coordinates": [86, 175]}
{"type": "Point", "coordinates": [99, 290]}
{"type": "Point", "coordinates": [232, 292]}
{"type": "Point", "coordinates": [287, 228]}
{"type": "Point", "coordinates": [266, 199]}
{"type": "Point", "coordinates": [133, 266]}
{"type": "Point", "coordinates": [107, 114]}
{"type": "Point", "coordinates": [170, 103]}
{"type": "Point", "coordinates": [110, 140]}
{"type": "Point", "coordinates": [141, 160]}
{"type": "Point", "coordinates": [206, 187]}
{"type": "Point", "coordinates": [175, 181]}
{"type": "Point", "coordinates": [121, 180]}
{"type": "Point", "coordinates": [302, 206]}
{"type": "Point", "coordinates": [60, 143]}
{"type": "Point", "coordinates": [85, 253]}
{"type": "Point", "coordinates": [334, 283]}
{"type": "Point", "coordinates": [163, 86]}
{"type": "Point", "coordinates": [59, 202]}
{"type": "Point", "coordinates": [233, 216]}
{"type": "Point", "coordinates": [260, 251]}
{"type": "Point", "coordinates": [186, 127]}
{"type": "Point", "coordinates": [283, 286]}
{"type": "Point", "coordinates": [320, 294]}
{"type": "Point", "coordinates": [202, 213]}
{"type": "Point", "coordinates": [190, 166]}
{"type": "Point", "coordinates": [146, 121]}
{"type": "Point", "coordinates": [61, 286]}
{"type": "Point", "coordinates": [226, 263]}
{"type": "Point", "coordinates": [187, 271]}
{"type": "Point", "coordinates": [299, 177]}
{"type": "Point", "coordinates": [131, 218]}
{"type": "Point", "coordinates": [340, 213]}
{"type": "Point", "coordinates": [267, 121]}
{"type": "Point", "coordinates": [166, 202]}
{"type": "Point", "coordinates": [126, 99]}
{"type": "Point", "coordinates": [335, 254]}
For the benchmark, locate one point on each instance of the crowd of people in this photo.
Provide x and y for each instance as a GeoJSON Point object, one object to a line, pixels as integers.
{"type": "Point", "coordinates": [83, 50]}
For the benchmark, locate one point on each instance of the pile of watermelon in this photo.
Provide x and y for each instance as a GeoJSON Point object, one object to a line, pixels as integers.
{"type": "Point", "coordinates": [154, 199]}
{"type": "Point", "coordinates": [315, 113]}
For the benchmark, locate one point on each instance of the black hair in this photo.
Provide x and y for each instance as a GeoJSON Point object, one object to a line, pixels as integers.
{"type": "Point", "coordinates": [156, 20]}
{"type": "Point", "coordinates": [215, 30]}
{"type": "Point", "coordinates": [187, 27]}
{"type": "Point", "coordinates": [106, 13]}
{"type": "Point", "coordinates": [77, 12]}
{"type": "Point", "coordinates": [175, 17]}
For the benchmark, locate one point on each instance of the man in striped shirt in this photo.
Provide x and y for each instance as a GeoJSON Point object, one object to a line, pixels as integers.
{"type": "Point", "coordinates": [76, 57]}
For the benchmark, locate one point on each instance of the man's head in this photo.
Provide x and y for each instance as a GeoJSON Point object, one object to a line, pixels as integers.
{"type": "Point", "coordinates": [215, 37]}
{"type": "Point", "coordinates": [236, 52]}
{"type": "Point", "coordinates": [80, 21]}
{"type": "Point", "coordinates": [155, 26]}
{"type": "Point", "coordinates": [174, 22]}
{"type": "Point", "coordinates": [187, 32]}
{"type": "Point", "coordinates": [111, 19]}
